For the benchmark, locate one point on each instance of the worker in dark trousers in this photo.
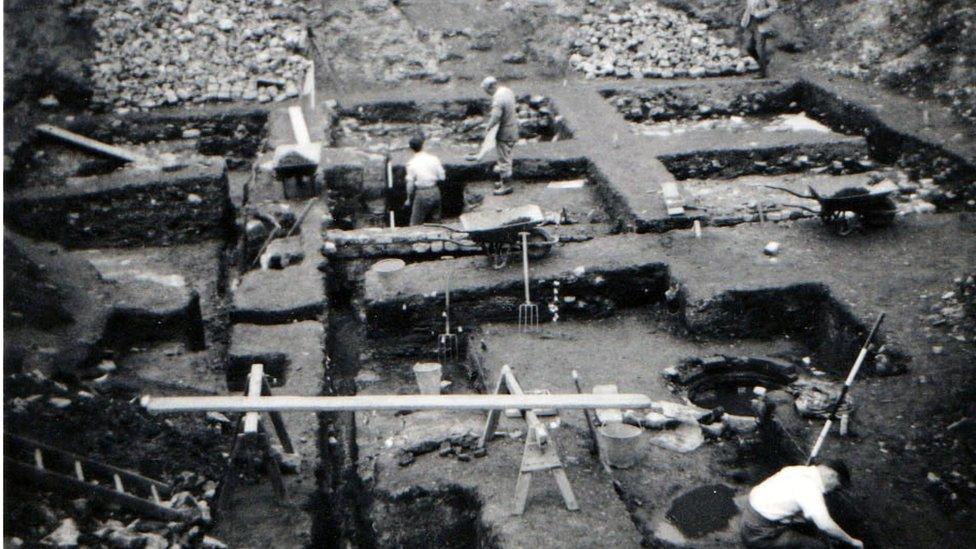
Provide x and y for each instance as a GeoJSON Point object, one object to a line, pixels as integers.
{"type": "Point", "coordinates": [755, 22]}
{"type": "Point", "coordinates": [781, 506]}
{"type": "Point", "coordinates": [424, 172]}
{"type": "Point", "coordinates": [503, 120]}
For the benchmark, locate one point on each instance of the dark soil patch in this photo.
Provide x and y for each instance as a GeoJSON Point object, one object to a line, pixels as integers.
{"type": "Point", "coordinates": [449, 517]}
{"type": "Point", "coordinates": [703, 510]}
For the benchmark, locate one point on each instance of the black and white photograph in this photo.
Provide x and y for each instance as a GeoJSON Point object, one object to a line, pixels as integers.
{"type": "Point", "coordinates": [489, 274]}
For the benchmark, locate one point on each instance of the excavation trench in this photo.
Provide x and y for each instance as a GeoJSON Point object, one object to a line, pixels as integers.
{"type": "Point", "coordinates": [388, 478]}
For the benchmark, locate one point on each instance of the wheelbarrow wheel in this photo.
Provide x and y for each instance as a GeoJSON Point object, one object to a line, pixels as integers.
{"type": "Point", "coordinates": [540, 243]}
{"type": "Point", "coordinates": [844, 225]}
{"type": "Point", "coordinates": [498, 254]}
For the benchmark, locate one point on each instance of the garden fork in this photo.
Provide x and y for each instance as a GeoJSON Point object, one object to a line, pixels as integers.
{"type": "Point", "coordinates": [447, 343]}
{"type": "Point", "coordinates": [528, 312]}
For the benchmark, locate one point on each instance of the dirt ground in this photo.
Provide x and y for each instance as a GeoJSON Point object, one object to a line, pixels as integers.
{"type": "Point", "coordinates": [911, 448]}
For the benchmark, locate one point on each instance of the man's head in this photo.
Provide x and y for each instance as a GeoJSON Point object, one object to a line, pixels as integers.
{"type": "Point", "coordinates": [417, 143]}
{"type": "Point", "coordinates": [490, 85]}
{"type": "Point", "coordinates": [835, 474]}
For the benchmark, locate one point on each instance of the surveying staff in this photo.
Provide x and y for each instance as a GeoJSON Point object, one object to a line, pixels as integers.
{"type": "Point", "coordinates": [755, 22]}
{"type": "Point", "coordinates": [782, 503]}
{"type": "Point", "coordinates": [424, 172]}
{"type": "Point", "coordinates": [504, 116]}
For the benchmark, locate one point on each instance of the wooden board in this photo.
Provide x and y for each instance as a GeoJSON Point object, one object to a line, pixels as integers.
{"type": "Point", "coordinates": [298, 126]}
{"type": "Point", "coordinates": [672, 198]}
{"type": "Point", "coordinates": [391, 402]}
{"type": "Point", "coordinates": [609, 415]}
{"type": "Point", "coordinates": [90, 144]}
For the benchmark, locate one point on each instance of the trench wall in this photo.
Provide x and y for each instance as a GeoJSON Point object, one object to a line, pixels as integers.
{"type": "Point", "coordinates": [127, 208]}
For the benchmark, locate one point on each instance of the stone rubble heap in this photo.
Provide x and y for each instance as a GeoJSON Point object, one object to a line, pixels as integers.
{"type": "Point", "coordinates": [652, 41]}
{"type": "Point", "coordinates": [151, 53]}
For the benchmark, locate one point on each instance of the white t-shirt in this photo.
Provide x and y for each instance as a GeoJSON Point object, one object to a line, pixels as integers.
{"type": "Point", "coordinates": [424, 170]}
{"type": "Point", "coordinates": [791, 492]}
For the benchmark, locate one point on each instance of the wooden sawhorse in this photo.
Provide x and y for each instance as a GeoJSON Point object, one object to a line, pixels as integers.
{"type": "Point", "coordinates": [251, 434]}
{"type": "Point", "coordinates": [539, 454]}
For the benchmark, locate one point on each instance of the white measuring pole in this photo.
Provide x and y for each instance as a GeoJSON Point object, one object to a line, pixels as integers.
{"type": "Point", "coordinates": [298, 126]}
{"type": "Point", "coordinates": [843, 392]}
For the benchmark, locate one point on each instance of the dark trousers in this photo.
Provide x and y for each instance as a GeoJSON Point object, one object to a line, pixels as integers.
{"type": "Point", "coordinates": [756, 47]}
{"type": "Point", "coordinates": [426, 206]}
{"type": "Point", "coordinates": [758, 532]}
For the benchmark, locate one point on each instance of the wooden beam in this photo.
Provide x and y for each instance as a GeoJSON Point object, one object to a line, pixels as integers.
{"type": "Point", "coordinates": [239, 404]}
{"type": "Point", "coordinates": [298, 126]}
{"type": "Point", "coordinates": [672, 198]}
{"type": "Point", "coordinates": [542, 436]}
{"type": "Point", "coordinates": [90, 144]}
{"type": "Point", "coordinates": [254, 382]}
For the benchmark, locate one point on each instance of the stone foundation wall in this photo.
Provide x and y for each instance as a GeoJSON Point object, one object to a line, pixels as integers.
{"type": "Point", "coordinates": [922, 159]}
{"type": "Point", "coordinates": [127, 208]}
{"type": "Point", "coordinates": [836, 158]}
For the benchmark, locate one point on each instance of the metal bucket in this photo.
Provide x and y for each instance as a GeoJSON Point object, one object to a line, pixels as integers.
{"type": "Point", "coordinates": [619, 444]}
{"type": "Point", "coordinates": [428, 377]}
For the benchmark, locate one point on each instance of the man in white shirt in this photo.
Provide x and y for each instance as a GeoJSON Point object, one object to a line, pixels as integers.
{"type": "Point", "coordinates": [790, 499]}
{"type": "Point", "coordinates": [505, 117]}
{"type": "Point", "coordinates": [424, 172]}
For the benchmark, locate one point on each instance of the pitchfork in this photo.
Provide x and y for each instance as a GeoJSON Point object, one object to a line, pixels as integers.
{"type": "Point", "coordinates": [447, 343]}
{"type": "Point", "coordinates": [528, 312]}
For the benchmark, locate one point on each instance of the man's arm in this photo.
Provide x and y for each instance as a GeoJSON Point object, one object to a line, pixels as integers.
{"type": "Point", "coordinates": [496, 115]}
{"type": "Point", "coordinates": [441, 175]}
{"type": "Point", "coordinates": [411, 179]}
{"type": "Point", "coordinates": [815, 509]}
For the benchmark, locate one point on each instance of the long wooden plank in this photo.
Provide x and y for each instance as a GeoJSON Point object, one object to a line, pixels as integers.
{"type": "Point", "coordinates": [298, 126]}
{"type": "Point", "coordinates": [239, 404]}
{"type": "Point", "coordinates": [672, 198]}
{"type": "Point", "coordinates": [90, 144]}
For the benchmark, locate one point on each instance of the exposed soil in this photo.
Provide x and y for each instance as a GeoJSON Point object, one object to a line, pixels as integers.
{"type": "Point", "coordinates": [628, 309]}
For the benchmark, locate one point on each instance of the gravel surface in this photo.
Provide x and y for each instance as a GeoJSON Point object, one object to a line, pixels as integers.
{"type": "Point", "coordinates": [151, 53]}
{"type": "Point", "coordinates": [653, 42]}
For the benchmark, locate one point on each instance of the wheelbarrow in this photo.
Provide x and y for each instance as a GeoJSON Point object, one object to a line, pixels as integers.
{"type": "Point", "coordinates": [851, 207]}
{"type": "Point", "coordinates": [497, 232]}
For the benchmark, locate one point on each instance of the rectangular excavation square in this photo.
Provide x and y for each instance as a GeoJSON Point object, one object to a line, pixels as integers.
{"type": "Point", "coordinates": [447, 125]}
{"type": "Point", "coordinates": [164, 138]}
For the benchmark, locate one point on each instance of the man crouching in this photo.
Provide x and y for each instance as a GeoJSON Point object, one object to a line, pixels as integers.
{"type": "Point", "coordinates": [785, 502]}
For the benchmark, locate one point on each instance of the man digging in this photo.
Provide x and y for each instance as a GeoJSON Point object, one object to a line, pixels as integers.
{"type": "Point", "coordinates": [755, 22]}
{"type": "Point", "coordinates": [783, 505]}
{"type": "Point", "coordinates": [503, 122]}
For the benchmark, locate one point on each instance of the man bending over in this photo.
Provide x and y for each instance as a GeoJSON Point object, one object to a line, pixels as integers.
{"type": "Point", "coordinates": [780, 506]}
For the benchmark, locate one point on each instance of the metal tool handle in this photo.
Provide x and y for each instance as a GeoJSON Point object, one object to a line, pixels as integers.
{"type": "Point", "coordinates": [525, 262]}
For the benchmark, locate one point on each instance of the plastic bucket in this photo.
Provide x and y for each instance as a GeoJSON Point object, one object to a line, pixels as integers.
{"type": "Point", "coordinates": [619, 444]}
{"type": "Point", "coordinates": [428, 376]}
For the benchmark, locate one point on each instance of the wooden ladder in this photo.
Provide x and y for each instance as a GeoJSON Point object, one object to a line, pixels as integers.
{"type": "Point", "coordinates": [50, 468]}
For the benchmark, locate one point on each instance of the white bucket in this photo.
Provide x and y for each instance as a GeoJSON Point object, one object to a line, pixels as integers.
{"type": "Point", "coordinates": [619, 444]}
{"type": "Point", "coordinates": [386, 267]}
{"type": "Point", "coordinates": [428, 377]}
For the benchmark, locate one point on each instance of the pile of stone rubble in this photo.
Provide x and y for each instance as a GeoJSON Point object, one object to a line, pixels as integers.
{"type": "Point", "coordinates": [651, 41]}
{"type": "Point", "coordinates": [151, 53]}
